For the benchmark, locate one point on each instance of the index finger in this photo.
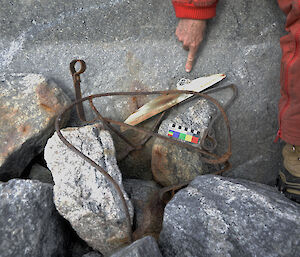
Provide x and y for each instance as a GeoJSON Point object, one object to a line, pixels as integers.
{"type": "Point", "coordinates": [190, 59]}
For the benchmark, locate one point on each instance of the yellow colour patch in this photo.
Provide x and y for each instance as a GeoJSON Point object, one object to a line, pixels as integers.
{"type": "Point", "coordinates": [188, 138]}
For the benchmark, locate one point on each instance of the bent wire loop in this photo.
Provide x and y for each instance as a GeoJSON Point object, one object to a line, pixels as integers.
{"type": "Point", "coordinates": [206, 156]}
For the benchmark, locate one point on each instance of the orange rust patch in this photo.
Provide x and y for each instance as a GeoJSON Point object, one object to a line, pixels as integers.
{"type": "Point", "coordinates": [47, 99]}
{"type": "Point", "coordinates": [24, 130]}
{"type": "Point", "coordinates": [137, 101]}
{"type": "Point", "coordinates": [159, 164]}
{"type": "Point", "coordinates": [47, 108]}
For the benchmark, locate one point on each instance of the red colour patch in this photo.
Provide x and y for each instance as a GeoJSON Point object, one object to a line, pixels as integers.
{"type": "Point", "coordinates": [195, 140]}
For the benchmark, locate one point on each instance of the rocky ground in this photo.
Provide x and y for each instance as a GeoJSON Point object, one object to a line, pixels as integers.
{"type": "Point", "coordinates": [160, 200]}
{"type": "Point", "coordinates": [130, 45]}
{"type": "Point", "coordinates": [61, 204]}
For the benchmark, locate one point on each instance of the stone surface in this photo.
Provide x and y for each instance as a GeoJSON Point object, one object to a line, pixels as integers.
{"type": "Point", "coordinates": [82, 194]}
{"type": "Point", "coordinates": [147, 212]}
{"type": "Point", "coordinates": [130, 44]}
{"type": "Point", "coordinates": [147, 246]}
{"type": "Point", "coordinates": [173, 164]}
{"type": "Point", "coordinates": [217, 216]}
{"type": "Point", "coordinates": [29, 222]}
{"type": "Point", "coordinates": [29, 106]}
{"type": "Point", "coordinates": [38, 172]}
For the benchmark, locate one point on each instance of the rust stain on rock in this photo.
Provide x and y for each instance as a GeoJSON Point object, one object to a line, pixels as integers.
{"type": "Point", "coordinates": [47, 99]}
{"type": "Point", "coordinates": [134, 102]}
{"type": "Point", "coordinates": [159, 164]}
{"type": "Point", "coordinates": [134, 68]}
{"type": "Point", "coordinates": [137, 101]}
{"type": "Point", "coordinates": [47, 108]}
{"type": "Point", "coordinates": [24, 129]}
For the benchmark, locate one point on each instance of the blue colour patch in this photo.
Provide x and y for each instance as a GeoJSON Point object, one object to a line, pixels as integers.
{"type": "Point", "coordinates": [176, 134]}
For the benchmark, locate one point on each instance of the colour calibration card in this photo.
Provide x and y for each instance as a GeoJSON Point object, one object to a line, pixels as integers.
{"type": "Point", "coordinates": [185, 134]}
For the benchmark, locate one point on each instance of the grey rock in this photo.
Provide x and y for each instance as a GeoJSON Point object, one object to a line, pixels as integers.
{"type": "Point", "coordinates": [92, 254]}
{"type": "Point", "coordinates": [29, 106]}
{"type": "Point", "coordinates": [29, 223]}
{"type": "Point", "coordinates": [130, 44]}
{"type": "Point", "coordinates": [147, 246]}
{"type": "Point", "coordinates": [217, 216]}
{"type": "Point", "coordinates": [38, 172]}
{"type": "Point", "coordinates": [82, 194]}
{"type": "Point", "coordinates": [173, 164]}
{"type": "Point", "coordinates": [141, 193]}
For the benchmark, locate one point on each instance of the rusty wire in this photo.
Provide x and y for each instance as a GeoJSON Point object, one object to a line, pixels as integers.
{"type": "Point", "coordinates": [210, 157]}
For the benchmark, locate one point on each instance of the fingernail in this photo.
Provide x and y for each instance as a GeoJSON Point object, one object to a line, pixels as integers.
{"type": "Point", "coordinates": [187, 70]}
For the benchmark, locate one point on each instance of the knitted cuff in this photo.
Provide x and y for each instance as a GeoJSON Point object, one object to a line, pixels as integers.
{"type": "Point", "coordinates": [189, 11]}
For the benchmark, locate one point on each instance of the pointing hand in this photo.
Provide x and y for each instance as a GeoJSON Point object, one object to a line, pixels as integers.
{"type": "Point", "coordinates": [190, 32]}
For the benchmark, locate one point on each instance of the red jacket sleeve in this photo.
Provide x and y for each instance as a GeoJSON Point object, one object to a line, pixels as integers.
{"type": "Point", "coordinates": [291, 8]}
{"type": "Point", "coordinates": [195, 9]}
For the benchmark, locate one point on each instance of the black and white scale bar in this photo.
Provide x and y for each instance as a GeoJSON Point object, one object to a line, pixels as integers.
{"type": "Point", "coordinates": [182, 129]}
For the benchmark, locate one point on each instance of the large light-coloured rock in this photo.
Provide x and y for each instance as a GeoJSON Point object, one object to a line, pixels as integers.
{"type": "Point", "coordinates": [82, 194]}
{"type": "Point", "coordinates": [145, 247]}
{"type": "Point", "coordinates": [29, 105]}
{"type": "Point", "coordinates": [29, 223]}
{"type": "Point", "coordinates": [217, 216]}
